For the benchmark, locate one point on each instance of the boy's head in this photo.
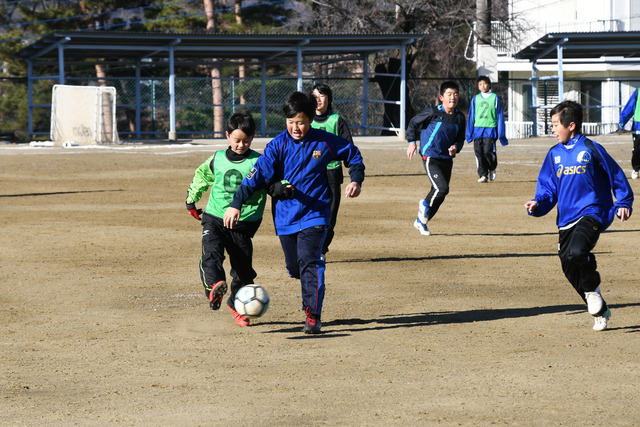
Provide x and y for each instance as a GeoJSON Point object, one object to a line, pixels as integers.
{"type": "Point", "coordinates": [324, 97]}
{"type": "Point", "coordinates": [240, 131]}
{"type": "Point", "coordinates": [566, 120]}
{"type": "Point", "coordinates": [299, 109]}
{"type": "Point", "coordinates": [449, 95]}
{"type": "Point", "coordinates": [484, 84]}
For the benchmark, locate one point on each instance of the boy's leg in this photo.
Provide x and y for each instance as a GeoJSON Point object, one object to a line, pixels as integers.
{"type": "Point", "coordinates": [211, 268]}
{"type": "Point", "coordinates": [312, 268]}
{"type": "Point", "coordinates": [635, 154]}
{"type": "Point", "coordinates": [289, 245]}
{"type": "Point", "coordinates": [478, 149]}
{"type": "Point", "coordinates": [334, 178]}
{"type": "Point", "coordinates": [490, 157]}
{"type": "Point", "coordinates": [439, 173]}
{"type": "Point", "coordinates": [578, 263]}
{"type": "Point", "coordinates": [240, 250]}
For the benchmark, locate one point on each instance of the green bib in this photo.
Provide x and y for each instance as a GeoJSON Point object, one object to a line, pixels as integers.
{"type": "Point", "coordinates": [486, 115]}
{"type": "Point", "coordinates": [636, 113]}
{"type": "Point", "coordinates": [228, 176]}
{"type": "Point", "coordinates": [331, 126]}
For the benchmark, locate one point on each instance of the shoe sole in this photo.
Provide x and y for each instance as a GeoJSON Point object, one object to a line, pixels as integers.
{"type": "Point", "coordinates": [215, 297]}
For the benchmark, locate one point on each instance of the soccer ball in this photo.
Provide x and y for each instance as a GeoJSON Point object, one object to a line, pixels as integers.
{"type": "Point", "coordinates": [251, 301]}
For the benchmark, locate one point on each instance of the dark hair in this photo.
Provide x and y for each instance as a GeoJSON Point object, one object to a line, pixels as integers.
{"type": "Point", "coordinates": [449, 84]}
{"type": "Point", "coordinates": [325, 90]}
{"type": "Point", "coordinates": [299, 102]}
{"type": "Point", "coordinates": [242, 120]}
{"type": "Point", "coordinates": [570, 111]}
{"type": "Point", "coordinates": [485, 79]}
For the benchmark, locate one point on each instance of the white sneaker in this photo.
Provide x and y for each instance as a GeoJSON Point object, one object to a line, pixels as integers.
{"type": "Point", "coordinates": [423, 211]}
{"type": "Point", "coordinates": [600, 323]}
{"type": "Point", "coordinates": [421, 227]}
{"type": "Point", "coordinates": [492, 175]}
{"type": "Point", "coordinates": [594, 301]}
{"type": "Point", "coordinates": [482, 179]}
{"type": "Point", "coordinates": [634, 174]}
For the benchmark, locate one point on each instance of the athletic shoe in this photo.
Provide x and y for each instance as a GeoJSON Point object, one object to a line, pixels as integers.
{"type": "Point", "coordinates": [492, 175]}
{"type": "Point", "coordinates": [482, 179]}
{"type": "Point", "coordinates": [239, 318]}
{"type": "Point", "coordinates": [421, 227]}
{"type": "Point", "coordinates": [215, 295]}
{"type": "Point", "coordinates": [312, 325]}
{"type": "Point", "coordinates": [594, 301]}
{"type": "Point", "coordinates": [423, 211]}
{"type": "Point", "coordinates": [601, 321]}
{"type": "Point", "coordinates": [634, 175]}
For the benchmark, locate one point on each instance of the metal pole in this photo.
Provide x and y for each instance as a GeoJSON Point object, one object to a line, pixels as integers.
{"type": "Point", "coordinates": [534, 97]}
{"type": "Point", "coordinates": [138, 134]}
{"type": "Point", "coordinates": [403, 92]}
{"type": "Point", "coordinates": [263, 98]}
{"type": "Point", "coordinates": [30, 98]}
{"type": "Point", "coordinates": [560, 75]}
{"type": "Point", "coordinates": [61, 64]}
{"type": "Point", "coordinates": [172, 96]}
{"type": "Point", "coordinates": [365, 92]}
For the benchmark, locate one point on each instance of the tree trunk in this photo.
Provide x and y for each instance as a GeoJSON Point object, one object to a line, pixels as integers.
{"type": "Point", "coordinates": [242, 72]}
{"type": "Point", "coordinates": [216, 82]}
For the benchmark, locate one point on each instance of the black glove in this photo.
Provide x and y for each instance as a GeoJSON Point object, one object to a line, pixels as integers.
{"type": "Point", "coordinates": [281, 190]}
{"type": "Point", "coordinates": [191, 207]}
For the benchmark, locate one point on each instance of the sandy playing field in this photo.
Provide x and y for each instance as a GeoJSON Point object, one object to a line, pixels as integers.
{"type": "Point", "coordinates": [104, 320]}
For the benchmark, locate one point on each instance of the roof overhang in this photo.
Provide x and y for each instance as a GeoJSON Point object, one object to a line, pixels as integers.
{"type": "Point", "coordinates": [610, 47]}
{"type": "Point", "coordinates": [135, 47]}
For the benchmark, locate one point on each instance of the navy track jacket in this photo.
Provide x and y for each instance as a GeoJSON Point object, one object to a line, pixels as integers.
{"type": "Point", "coordinates": [303, 163]}
{"type": "Point", "coordinates": [581, 183]}
{"type": "Point", "coordinates": [437, 131]}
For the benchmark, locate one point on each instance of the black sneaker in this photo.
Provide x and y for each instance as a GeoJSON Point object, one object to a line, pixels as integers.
{"type": "Point", "coordinates": [215, 295]}
{"type": "Point", "coordinates": [312, 325]}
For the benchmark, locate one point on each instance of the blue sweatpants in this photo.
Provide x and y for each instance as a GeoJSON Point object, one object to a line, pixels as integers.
{"type": "Point", "coordinates": [302, 252]}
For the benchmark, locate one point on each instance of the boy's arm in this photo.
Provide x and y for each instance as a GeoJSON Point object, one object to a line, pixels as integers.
{"type": "Point", "coordinates": [620, 186]}
{"type": "Point", "coordinates": [343, 129]}
{"type": "Point", "coordinates": [628, 109]}
{"type": "Point", "coordinates": [416, 124]}
{"type": "Point", "coordinates": [545, 197]}
{"type": "Point", "coordinates": [459, 141]}
{"type": "Point", "coordinates": [502, 132]}
{"type": "Point", "coordinates": [472, 114]}
{"type": "Point", "coordinates": [202, 180]}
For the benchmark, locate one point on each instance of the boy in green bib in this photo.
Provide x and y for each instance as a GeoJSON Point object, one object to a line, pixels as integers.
{"type": "Point", "coordinates": [484, 126]}
{"type": "Point", "coordinates": [223, 172]}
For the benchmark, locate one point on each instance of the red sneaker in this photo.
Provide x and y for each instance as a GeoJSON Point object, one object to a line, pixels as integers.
{"type": "Point", "coordinates": [239, 318]}
{"type": "Point", "coordinates": [217, 292]}
{"type": "Point", "coordinates": [313, 324]}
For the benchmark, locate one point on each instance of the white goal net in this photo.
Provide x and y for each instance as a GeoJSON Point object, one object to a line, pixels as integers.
{"type": "Point", "coordinates": [83, 115]}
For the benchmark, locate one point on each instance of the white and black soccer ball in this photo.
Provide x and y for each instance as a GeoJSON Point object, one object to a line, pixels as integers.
{"type": "Point", "coordinates": [251, 301]}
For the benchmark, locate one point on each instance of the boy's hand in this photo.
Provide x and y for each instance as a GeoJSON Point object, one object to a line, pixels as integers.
{"type": "Point", "coordinates": [352, 190]}
{"type": "Point", "coordinates": [453, 150]}
{"type": "Point", "coordinates": [623, 214]}
{"type": "Point", "coordinates": [231, 216]}
{"type": "Point", "coordinates": [531, 206]}
{"type": "Point", "coordinates": [282, 190]}
{"type": "Point", "coordinates": [411, 149]}
{"type": "Point", "coordinates": [193, 211]}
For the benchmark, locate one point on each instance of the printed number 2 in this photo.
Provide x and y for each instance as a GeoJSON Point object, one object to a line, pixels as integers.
{"type": "Point", "coordinates": [484, 109]}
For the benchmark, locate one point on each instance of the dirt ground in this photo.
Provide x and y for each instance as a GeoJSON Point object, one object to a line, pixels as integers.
{"type": "Point", "coordinates": [104, 320]}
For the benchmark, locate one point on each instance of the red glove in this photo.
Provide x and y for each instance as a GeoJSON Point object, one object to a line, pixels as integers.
{"type": "Point", "coordinates": [193, 211]}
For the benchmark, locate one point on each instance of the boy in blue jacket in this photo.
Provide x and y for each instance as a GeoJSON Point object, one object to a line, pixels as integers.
{"type": "Point", "coordinates": [441, 133]}
{"type": "Point", "coordinates": [484, 127]}
{"type": "Point", "coordinates": [299, 156]}
{"type": "Point", "coordinates": [579, 176]}
{"type": "Point", "coordinates": [632, 109]}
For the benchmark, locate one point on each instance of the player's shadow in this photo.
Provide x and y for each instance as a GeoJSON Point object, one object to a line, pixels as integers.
{"type": "Point", "coordinates": [346, 327]}
{"type": "Point", "coordinates": [53, 193]}
{"type": "Point", "coordinates": [441, 257]}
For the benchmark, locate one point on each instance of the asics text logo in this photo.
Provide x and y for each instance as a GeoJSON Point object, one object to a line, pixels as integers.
{"type": "Point", "coordinates": [570, 170]}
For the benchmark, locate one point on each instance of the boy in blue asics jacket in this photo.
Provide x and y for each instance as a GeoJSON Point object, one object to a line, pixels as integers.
{"type": "Point", "coordinates": [299, 156]}
{"type": "Point", "coordinates": [579, 176]}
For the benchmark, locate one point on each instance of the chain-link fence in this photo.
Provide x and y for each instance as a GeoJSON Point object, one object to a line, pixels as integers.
{"type": "Point", "coordinates": [361, 102]}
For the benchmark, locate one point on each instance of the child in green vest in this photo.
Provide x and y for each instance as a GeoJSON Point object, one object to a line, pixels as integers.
{"type": "Point", "coordinates": [326, 119]}
{"type": "Point", "coordinates": [632, 109]}
{"type": "Point", "coordinates": [223, 172]}
{"type": "Point", "coordinates": [484, 125]}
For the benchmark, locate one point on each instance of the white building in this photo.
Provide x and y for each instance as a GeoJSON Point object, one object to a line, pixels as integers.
{"type": "Point", "coordinates": [553, 50]}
